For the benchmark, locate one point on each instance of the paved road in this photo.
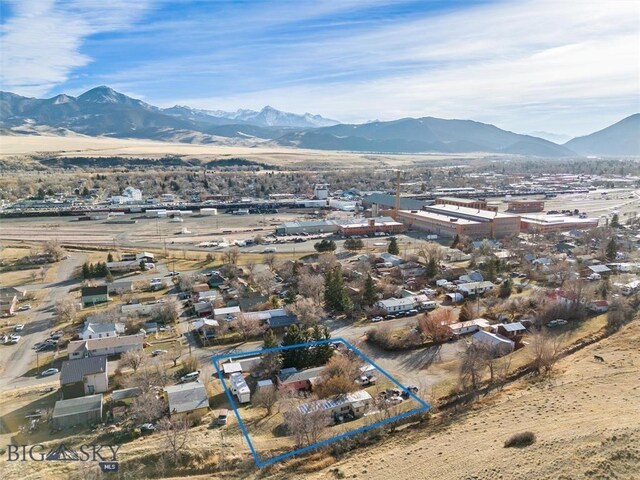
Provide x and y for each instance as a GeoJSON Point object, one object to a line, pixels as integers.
{"type": "Point", "coordinates": [16, 359]}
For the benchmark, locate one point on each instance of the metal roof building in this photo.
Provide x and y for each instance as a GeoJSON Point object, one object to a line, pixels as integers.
{"type": "Point", "coordinates": [77, 411]}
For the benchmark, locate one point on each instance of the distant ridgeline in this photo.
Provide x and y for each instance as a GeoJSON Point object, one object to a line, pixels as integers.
{"type": "Point", "coordinates": [91, 163]}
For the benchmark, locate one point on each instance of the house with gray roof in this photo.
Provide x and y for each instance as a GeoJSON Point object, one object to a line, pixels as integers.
{"type": "Point", "coordinates": [188, 400]}
{"type": "Point", "coordinates": [85, 376]}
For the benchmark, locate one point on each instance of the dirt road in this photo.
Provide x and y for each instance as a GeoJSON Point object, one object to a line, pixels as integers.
{"type": "Point", "coordinates": [17, 359]}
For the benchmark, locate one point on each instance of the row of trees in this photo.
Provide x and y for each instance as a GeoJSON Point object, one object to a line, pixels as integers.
{"type": "Point", "coordinates": [94, 270]}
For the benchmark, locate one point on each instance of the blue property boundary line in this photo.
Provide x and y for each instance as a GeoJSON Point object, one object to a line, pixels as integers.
{"type": "Point", "coordinates": [263, 463]}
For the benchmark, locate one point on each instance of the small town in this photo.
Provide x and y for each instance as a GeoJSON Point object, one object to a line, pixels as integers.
{"type": "Point", "coordinates": [319, 240]}
{"type": "Point", "coordinates": [449, 297]}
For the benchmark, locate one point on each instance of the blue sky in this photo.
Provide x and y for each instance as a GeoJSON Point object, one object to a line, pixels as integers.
{"type": "Point", "coordinates": [566, 66]}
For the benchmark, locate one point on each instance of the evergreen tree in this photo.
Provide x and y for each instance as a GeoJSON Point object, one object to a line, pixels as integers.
{"type": "Point", "coordinates": [320, 354]}
{"type": "Point", "coordinates": [325, 245]}
{"type": "Point", "coordinates": [393, 248]}
{"type": "Point", "coordinates": [353, 244]}
{"type": "Point", "coordinates": [291, 295]}
{"type": "Point", "coordinates": [143, 265]}
{"type": "Point", "coordinates": [432, 268]}
{"type": "Point", "coordinates": [612, 250]}
{"type": "Point", "coordinates": [86, 271]}
{"type": "Point", "coordinates": [615, 221]}
{"type": "Point", "coordinates": [92, 270]}
{"type": "Point", "coordinates": [109, 257]}
{"type": "Point", "coordinates": [505, 288]}
{"type": "Point", "coordinates": [456, 241]}
{"type": "Point", "coordinates": [295, 357]}
{"type": "Point", "coordinates": [271, 361]}
{"type": "Point", "coordinates": [490, 271]}
{"type": "Point", "coordinates": [336, 296]}
{"type": "Point", "coordinates": [370, 294]}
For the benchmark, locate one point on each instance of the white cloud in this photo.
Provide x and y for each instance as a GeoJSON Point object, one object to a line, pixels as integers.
{"type": "Point", "coordinates": [572, 66]}
{"type": "Point", "coordinates": [40, 43]}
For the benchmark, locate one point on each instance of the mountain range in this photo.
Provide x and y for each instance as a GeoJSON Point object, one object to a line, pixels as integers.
{"type": "Point", "coordinates": [102, 111]}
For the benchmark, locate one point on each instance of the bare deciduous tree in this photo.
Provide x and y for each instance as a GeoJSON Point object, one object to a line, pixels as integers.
{"type": "Point", "coordinates": [471, 368]}
{"type": "Point", "coordinates": [267, 398]}
{"type": "Point", "coordinates": [306, 428]}
{"type": "Point", "coordinates": [175, 352]}
{"type": "Point", "coordinates": [544, 350]}
{"type": "Point", "coordinates": [307, 310]}
{"type": "Point", "coordinates": [66, 310]}
{"type": "Point", "coordinates": [147, 407]}
{"type": "Point", "coordinates": [269, 260]}
{"type": "Point", "coordinates": [230, 256]}
{"type": "Point", "coordinates": [311, 286]}
{"type": "Point", "coordinates": [54, 250]}
{"type": "Point", "coordinates": [132, 359]}
{"type": "Point", "coordinates": [175, 434]}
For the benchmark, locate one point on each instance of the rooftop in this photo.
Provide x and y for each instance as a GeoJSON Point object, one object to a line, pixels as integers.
{"type": "Point", "coordinates": [73, 406]}
{"type": "Point", "coordinates": [288, 376]}
{"type": "Point", "coordinates": [75, 370]}
{"type": "Point", "coordinates": [439, 217]}
{"type": "Point", "coordinates": [187, 397]}
{"type": "Point", "coordinates": [455, 210]}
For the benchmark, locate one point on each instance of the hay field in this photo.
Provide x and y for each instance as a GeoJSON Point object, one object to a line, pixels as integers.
{"type": "Point", "coordinates": [586, 419]}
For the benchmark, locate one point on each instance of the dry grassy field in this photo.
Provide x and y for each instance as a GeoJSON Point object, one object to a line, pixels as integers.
{"type": "Point", "coordinates": [586, 418]}
{"type": "Point", "coordinates": [19, 148]}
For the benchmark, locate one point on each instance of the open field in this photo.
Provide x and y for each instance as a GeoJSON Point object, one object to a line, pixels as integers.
{"type": "Point", "coordinates": [586, 418]}
{"type": "Point", "coordinates": [16, 147]}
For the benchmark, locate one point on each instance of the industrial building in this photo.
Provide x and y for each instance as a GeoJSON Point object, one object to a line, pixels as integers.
{"type": "Point", "coordinates": [371, 226]}
{"type": "Point", "coordinates": [466, 202]}
{"type": "Point", "coordinates": [525, 206]}
{"type": "Point", "coordinates": [555, 223]}
{"type": "Point", "coordinates": [450, 220]}
{"type": "Point", "coordinates": [313, 226]}
{"type": "Point", "coordinates": [386, 201]}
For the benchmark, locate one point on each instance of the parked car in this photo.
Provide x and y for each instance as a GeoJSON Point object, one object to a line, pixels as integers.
{"type": "Point", "coordinates": [376, 319]}
{"type": "Point", "coordinates": [557, 322]}
{"type": "Point", "coordinates": [155, 353]}
{"type": "Point", "coordinates": [222, 417]}
{"type": "Point", "coordinates": [55, 336]}
{"type": "Point", "coordinates": [18, 328]}
{"type": "Point", "coordinates": [23, 308]}
{"type": "Point", "coordinates": [366, 380]}
{"type": "Point", "coordinates": [395, 400]}
{"type": "Point", "coordinates": [13, 339]}
{"type": "Point", "coordinates": [190, 377]}
{"type": "Point", "coordinates": [389, 317]}
{"type": "Point", "coordinates": [147, 428]}
{"type": "Point", "coordinates": [49, 371]}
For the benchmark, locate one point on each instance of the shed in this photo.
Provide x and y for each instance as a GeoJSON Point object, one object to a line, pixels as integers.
{"type": "Point", "coordinates": [77, 411]}
{"type": "Point", "coordinates": [187, 400]}
{"type": "Point", "coordinates": [231, 367]}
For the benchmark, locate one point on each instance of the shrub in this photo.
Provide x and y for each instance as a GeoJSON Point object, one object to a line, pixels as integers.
{"type": "Point", "coordinates": [523, 439]}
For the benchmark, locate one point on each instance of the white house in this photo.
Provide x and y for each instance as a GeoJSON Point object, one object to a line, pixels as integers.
{"type": "Point", "coordinates": [85, 376]}
{"type": "Point", "coordinates": [226, 313]}
{"type": "Point", "coordinates": [101, 330]}
{"type": "Point", "coordinates": [395, 305]}
{"type": "Point", "coordinates": [472, 326]}
{"type": "Point", "coordinates": [104, 346]}
{"type": "Point", "coordinates": [240, 388]}
{"type": "Point", "coordinates": [475, 288]}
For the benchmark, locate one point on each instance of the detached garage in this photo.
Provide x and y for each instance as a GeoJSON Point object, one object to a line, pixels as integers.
{"type": "Point", "coordinates": [77, 411]}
